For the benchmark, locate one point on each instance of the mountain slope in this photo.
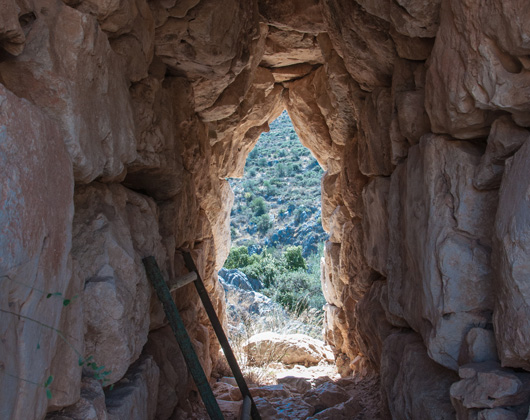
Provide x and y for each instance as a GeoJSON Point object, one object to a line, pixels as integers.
{"type": "Point", "coordinates": [277, 203]}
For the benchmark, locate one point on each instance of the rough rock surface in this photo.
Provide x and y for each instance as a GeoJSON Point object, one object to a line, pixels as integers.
{"type": "Point", "coordinates": [487, 385]}
{"type": "Point", "coordinates": [36, 211]}
{"type": "Point", "coordinates": [375, 223]}
{"type": "Point", "coordinates": [168, 357]}
{"type": "Point", "coordinates": [135, 395]}
{"type": "Point", "coordinates": [109, 262]}
{"type": "Point", "coordinates": [139, 111]}
{"type": "Point", "coordinates": [504, 139]}
{"type": "Point", "coordinates": [512, 224]}
{"type": "Point", "coordinates": [69, 70]}
{"type": "Point", "coordinates": [407, 371]}
{"type": "Point", "coordinates": [90, 405]}
{"type": "Point", "coordinates": [434, 206]}
{"type": "Point", "coordinates": [486, 74]}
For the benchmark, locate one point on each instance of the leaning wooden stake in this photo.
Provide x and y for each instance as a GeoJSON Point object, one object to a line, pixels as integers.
{"type": "Point", "coordinates": [183, 339]}
{"type": "Point", "coordinates": [218, 328]}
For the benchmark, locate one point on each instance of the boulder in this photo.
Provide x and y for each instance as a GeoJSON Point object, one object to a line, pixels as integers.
{"type": "Point", "coordinates": [412, 48]}
{"type": "Point", "coordinates": [512, 247]}
{"type": "Point", "coordinates": [288, 349]}
{"type": "Point", "coordinates": [345, 95]}
{"type": "Point", "coordinates": [375, 150]}
{"type": "Point", "coordinates": [343, 411]}
{"type": "Point", "coordinates": [237, 278]}
{"type": "Point", "coordinates": [481, 73]}
{"type": "Point", "coordinates": [309, 118]}
{"type": "Point", "coordinates": [211, 43]}
{"type": "Point", "coordinates": [164, 350]}
{"type": "Point", "coordinates": [160, 116]}
{"type": "Point", "coordinates": [439, 271]}
{"type": "Point", "coordinates": [497, 414]}
{"type": "Point", "coordinates": [299, 15]}
{"type": "Point", "coordinates": [370, 324]}
{"type": "Point", "coordinates": [504, 139]}
{"type": "Point", "coordinates": [272, 393]}
{"type": "Point", "coordinates": [362, 40]}
{"type": "Point", "coordinates": [234, 135]}
{"type": "Point", "coordinates": [227, 392]}
{"type": "Point", "coordinates": [135, 396]}
{"type": "Point", "coordinates": [266, 410]}
{"type": "Point", "coordinates": [487, 385]}
{"type": "Point", "coordinates": [287, 48]}
{"type": "Point", "coordinates": [69, 70]}
{"type": "Point", "coordinates": [90, 406]}
{"type": "Point", "coordinates": [241, 303]}
{"type": "Point", "coordinates": [353, 269]}
{"type": "Point", "coordinates": [36, 211]}
{"type": "Point", "coordinates": [294, 408]}
{"type": "Point", "coordinates": [114, 228]}
{"type": "Point", "coordinates": [414, 386]}
{"type": "Point", "coordinates": [296, 383]}
{"type": "Point", "coordinates": [231, 409]}
{"type": "Point", "coordinates": [325, 396]}
{"type": "Point", "coordinates": [332, 285]}
{"type": "Point", "coordinates": [130, 27]}
{"type": "Point", "coordinates": [12, 37]}
{"type": "Point", "coordinates": [479, 346]}
{"type": "Point", "coordinates": [415, 18]}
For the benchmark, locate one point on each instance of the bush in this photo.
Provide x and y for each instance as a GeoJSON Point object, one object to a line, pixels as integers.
{"type": "Point", "coordinates": [253, 154]}
{"type": "Point", "coordinates": [297, 291]}
{"type": "Point", "coordinates": [239, 257]}
{"type": "Point", "coordinates": [281, 170]}
{"type": "Point", "coordinates": [258, 206]}
{"type": "Point", "coordinates": [266, 269]}
{"type": "Point", "coordinates": [293, 258]}
{"type": "Point", "coordinates": [263, 223]}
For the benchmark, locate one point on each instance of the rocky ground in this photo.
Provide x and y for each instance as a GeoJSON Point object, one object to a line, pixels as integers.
{"type": "Point", "coordinates": [291, 375]}
{"type": "Point", "coordinates": [300, 392]}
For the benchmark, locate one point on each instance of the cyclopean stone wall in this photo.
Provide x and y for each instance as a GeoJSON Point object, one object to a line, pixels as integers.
{"type": "Point", "coordinates": [120, 122]}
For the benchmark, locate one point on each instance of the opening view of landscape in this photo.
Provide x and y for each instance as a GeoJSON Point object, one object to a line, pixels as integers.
{"type": "Point", "coordinates": [272, 275]}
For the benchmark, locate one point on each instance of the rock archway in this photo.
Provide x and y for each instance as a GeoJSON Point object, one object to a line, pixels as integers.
{"type": "Point", "coordinates": [119, 122]}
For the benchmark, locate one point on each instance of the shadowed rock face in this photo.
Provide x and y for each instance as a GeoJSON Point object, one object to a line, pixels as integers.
{"type": "Point", "coordinates": [119, 122]}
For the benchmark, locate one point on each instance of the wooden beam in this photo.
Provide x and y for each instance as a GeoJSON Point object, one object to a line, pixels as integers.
{"type": "Point", "coordinates": [245, 410]}
{"type": "Point", "coordinates": [183, 339]}
{"type": "Point", "coordinates": [182, 281]}
{"type": "Point", "coordinates": [221, 336]}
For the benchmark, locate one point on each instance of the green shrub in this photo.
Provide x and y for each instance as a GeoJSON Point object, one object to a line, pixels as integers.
{"type": "Point", "coordinates": [266, 269]}
{"type": "Point", "coordinates": [238, 258]}
{"type": "Point", "coordinates": [296, 291]}
{"type": "Point", "coordinates": [263, 223]}
{"type": "Point", "coordinates": [293, 258]}
{"type": "Point", "coordinates": [281, 170]}
{"type": "Point", "coordinates": [258, 206]}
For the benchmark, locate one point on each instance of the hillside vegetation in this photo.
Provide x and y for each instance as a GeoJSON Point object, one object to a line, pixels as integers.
{"type": "Point", "coordinates": [276, 229]}
{"type": "Point", "coordinates": [277, 203]}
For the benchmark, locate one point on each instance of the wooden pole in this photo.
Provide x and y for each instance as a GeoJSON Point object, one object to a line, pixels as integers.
{"type": "Point", "coordinates": [218, 328]}
{"type": "Point", "coordinates": [183, 339]}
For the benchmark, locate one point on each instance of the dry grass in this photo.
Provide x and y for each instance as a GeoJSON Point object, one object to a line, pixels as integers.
{"type": "Point", "coordinates": [243, 323]}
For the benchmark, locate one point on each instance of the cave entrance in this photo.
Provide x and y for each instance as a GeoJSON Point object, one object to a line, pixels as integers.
{"type": "Point", "coordinates": [272, 275]}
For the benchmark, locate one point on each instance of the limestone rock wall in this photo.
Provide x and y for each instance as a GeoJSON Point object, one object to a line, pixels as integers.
{"type": "Point", "coordinates": [120, 122]}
